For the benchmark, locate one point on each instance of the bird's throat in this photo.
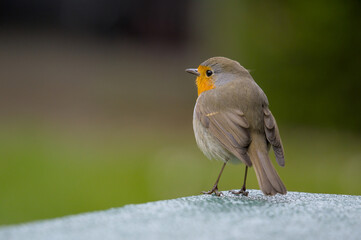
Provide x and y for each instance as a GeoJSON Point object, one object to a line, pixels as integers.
{"type": "Point", "coordinates": [204, 83]}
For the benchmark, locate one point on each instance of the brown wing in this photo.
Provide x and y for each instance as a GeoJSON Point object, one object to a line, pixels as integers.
{"type": "Point", "coordinates": [273, 136]}
{"type": "Point", "coordinates": [229, 127]}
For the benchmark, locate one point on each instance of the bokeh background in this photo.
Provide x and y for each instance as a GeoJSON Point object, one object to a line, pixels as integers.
{"type": "Point", "coordinates": [96, 109]}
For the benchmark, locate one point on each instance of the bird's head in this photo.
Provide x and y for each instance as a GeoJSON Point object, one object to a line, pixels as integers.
{"type": "Point", "coordinates": [215, 72]}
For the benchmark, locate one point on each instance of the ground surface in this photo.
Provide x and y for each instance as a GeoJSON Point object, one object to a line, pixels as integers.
{"type": "Point", "coordinates": [293, 216]}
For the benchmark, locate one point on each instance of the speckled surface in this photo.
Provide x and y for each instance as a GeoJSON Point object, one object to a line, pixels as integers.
{"type": "Point", "coordinates": [293, 216]}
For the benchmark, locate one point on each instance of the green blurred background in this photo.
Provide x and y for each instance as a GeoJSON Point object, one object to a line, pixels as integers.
{"type": "Point", "coordinates": [96, 109]}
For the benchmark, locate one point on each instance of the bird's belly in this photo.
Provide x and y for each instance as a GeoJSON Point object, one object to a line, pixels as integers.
{"type": "Point", "coordinates": [210, 145]}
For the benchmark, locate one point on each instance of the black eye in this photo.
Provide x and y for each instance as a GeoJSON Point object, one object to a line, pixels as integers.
{"type": "Point", "coordinates": [209, 73]}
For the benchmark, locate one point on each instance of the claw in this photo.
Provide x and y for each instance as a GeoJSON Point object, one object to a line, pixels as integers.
{"type": "Point", "coordinates": [242, 191]}
{"type": "Point", "coordinates": [213, 190]}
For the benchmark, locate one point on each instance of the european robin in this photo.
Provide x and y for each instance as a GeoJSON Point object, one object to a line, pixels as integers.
{"type": "Point", "coordinates": [232, 123]}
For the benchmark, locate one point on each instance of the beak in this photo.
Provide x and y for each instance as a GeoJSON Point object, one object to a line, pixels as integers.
{"type": "Point", "coordinates": [193, 71]}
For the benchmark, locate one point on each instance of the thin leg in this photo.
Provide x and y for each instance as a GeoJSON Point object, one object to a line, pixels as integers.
{"type": "Point", "coordinates": [243, 189]}
{"type": "Point", "coordinates": [215, 187]}
{"type": "Point", "coordinates": [245, 179]}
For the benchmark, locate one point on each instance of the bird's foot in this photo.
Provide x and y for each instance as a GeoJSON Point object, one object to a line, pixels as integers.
{"type": "Point", "coordinates": [242, 191]}
{"type": "Point", "coordinates": [214, 190]}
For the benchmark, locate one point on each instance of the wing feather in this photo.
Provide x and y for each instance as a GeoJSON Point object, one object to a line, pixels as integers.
{"type": "Point", "coordinates": [229, 127]}
{"type": "Point", "coordinates": [273, 136]}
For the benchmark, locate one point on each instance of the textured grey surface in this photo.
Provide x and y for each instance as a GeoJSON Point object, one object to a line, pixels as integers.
{"type": "Point", "coordinates": [293, 216]}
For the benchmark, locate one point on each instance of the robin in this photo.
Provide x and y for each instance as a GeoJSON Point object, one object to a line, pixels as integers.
{"type": "Point", "coordinates": [232, 123]}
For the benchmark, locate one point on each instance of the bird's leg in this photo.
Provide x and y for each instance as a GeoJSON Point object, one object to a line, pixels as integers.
{"type": "Point", "coordinates": [243, 189]}
{"type": "Point", "coordinates": [215, 187]}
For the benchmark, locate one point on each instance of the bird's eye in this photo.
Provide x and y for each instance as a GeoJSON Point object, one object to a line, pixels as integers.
{"type": "Point", "coordinates": [209, 73]}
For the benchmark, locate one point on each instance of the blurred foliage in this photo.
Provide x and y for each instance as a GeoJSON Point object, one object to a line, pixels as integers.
{"type": "Point", "coordinates": [305, 54]}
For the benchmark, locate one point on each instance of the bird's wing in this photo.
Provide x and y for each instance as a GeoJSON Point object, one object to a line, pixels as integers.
{"type": "Point", "coordinates": [273, 136]}
{"type": "Point", "coordinates": [228, 126]}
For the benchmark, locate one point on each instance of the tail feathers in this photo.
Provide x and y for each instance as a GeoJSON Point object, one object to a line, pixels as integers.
{"type": "Point", "coordinates": [267, 176]}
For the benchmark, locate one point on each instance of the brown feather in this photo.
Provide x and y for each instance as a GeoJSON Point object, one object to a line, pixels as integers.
{"type": "Point", "coordinates": [228, 127]}
{"type": "Point", "coordinates": [273, 136]}
{"type": "Point", "coordinates": [267, 176]}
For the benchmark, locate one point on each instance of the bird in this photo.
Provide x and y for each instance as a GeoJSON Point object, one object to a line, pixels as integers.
{"type": "Point", "coordinates": [232, 123]}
